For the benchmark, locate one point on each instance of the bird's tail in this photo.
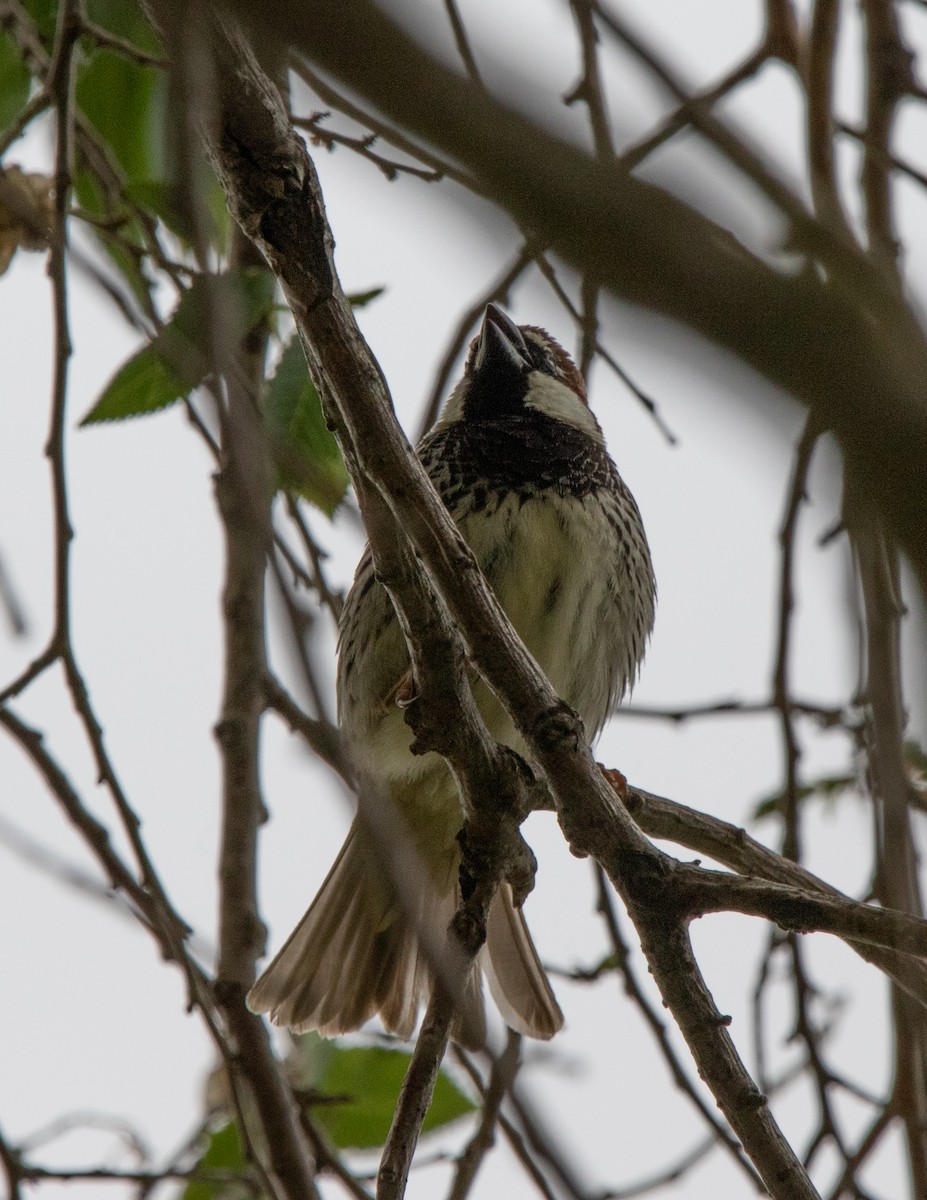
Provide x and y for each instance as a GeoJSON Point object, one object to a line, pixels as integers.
{"type": "Point", "coordinates": [517, 981]}
{"type": "Point", "coordinates": [348, 958]}
{"type": "Point", "coordinates": [356, 953]}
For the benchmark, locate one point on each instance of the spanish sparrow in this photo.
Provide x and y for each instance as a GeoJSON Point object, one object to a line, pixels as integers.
{"type": "Point", "coordinates": [520, 462]}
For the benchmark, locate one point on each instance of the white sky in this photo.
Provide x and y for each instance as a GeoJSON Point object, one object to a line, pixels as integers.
{"type": "Point", "coordinates": [92, 1020]}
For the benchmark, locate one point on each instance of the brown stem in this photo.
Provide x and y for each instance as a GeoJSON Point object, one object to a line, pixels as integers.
{"type": "Point", "coordinates": [275, 194]}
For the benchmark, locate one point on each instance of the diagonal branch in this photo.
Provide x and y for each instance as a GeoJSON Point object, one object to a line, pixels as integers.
{"type": "Point", "coordinates": [847, 347]}
{"type": "Point", "coordinates": [275, 195]}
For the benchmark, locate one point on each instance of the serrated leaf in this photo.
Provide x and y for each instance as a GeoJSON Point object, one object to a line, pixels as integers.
{"type": "Point", "coordinates": [145, 384]}
{"type": "Point", "coordinates": [224, 1153]}
{"type": "Point", "coordinates": [307, 455]}
{"type": "Point", "coordinates": [14, 82]}
{"type": "Point", "coordinates": [372, 1077]}
{"type": "Point", "coordinates": [178, 359]}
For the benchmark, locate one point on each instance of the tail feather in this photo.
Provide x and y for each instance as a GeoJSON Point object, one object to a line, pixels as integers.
{"type": "Point", "coordinates": [402, 983]}
{"type": "Point", "coordinates": [517, 981]}
{"type": "Point", "coordinates": [343, 961]}
{"type": "Point", "coordinates": [354, 954]}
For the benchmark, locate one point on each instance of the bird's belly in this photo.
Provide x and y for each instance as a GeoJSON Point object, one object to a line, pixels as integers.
{"type": "Point", "coordinates": [550, 560]}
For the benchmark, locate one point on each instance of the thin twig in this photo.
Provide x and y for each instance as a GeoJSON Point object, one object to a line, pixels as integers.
{"type": "Point", "coordinates": [33, 108]}
{"type": "Point", "coordinates": [471, 1157]}
{"type": "Point", "coordinates": [590, 89]}
{"type": "Point", "coordinates": [791, 847]}
{"type": "Point", "coordinates": [333, 601]}
{"type": "Point", "coordinates": [877, 560]}
{"type": "Point", "coordinates": [677, 121]}
{"type": "Point", "coordinates": [12, 1168]}
{"type": "Point", "coordinates": [720, 1133]}
{"type": "Point", "coordinates": [824, 715]}
{"type": "Point", "coordinates": [323, 738]}
{"type": "Point", "coordinates": [819, 69]}
{"type": "Point", "coordinates": [514, 1136]}
{"type": "Point", "coordinates": [462, 42]}
{"type": "Point", "coordinates": [106, 40]}
{"type": "Point", "coordinates": [879, 153]}
{"type": "Point", "coordinates": [331, 96]}
{"type": "Point", "coordinates": [546, 268]}
{"type": "Point", "coordinates": [320, 134]}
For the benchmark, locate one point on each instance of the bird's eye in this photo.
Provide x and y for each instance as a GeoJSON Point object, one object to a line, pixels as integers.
{"type": "Point", "coordinates": [542, 359]}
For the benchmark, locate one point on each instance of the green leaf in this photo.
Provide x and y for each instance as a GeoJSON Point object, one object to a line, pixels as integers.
{"type": "Point", "coordinates": [125, 102]}
{"type": "Point", "coordinates": [829, 788]}
{"type": "Point", "coordinates": [45, 15]}
{"type": "Point", "coordinates": [224, 1153]}
{"type": "Point", "coordinates": [144, 385]}
{"type": "Point", "coordinates": [915, 756]}
{"type": "Point", "coordinates": [14, 82]}
{"type": "Point", "coordinates": [178, 359]}
{"type": "Point", "coordinates": [166, 201]}
{"type": "Point", "coordinates": [362, 299]}
{"type": "Point", "coordinates": [125, 19]}
{"type": "Point", "coordinates": [130, 262]}
{"type": "Point", "coordinates": [371, 1077]}
{"type": "Point", "coordinates": [307, 456]}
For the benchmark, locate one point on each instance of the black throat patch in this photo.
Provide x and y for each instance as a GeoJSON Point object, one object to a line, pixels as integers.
{"type": "Point", "coordinates": [524, 450]}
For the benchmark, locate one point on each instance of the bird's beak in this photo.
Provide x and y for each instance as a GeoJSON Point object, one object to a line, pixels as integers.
{"type": "Point", "coordinates": [501, 347]}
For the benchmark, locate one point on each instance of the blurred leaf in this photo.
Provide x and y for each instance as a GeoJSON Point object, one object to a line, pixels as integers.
{"type": "Point", "coordinates": [45, 15]}
{"type": "Point", "coordinates": [126, 20]}
{"type": "Point", "coordinates": [372, 1077]}
{"type": "Point", "coordinates": [224, 1153]}
{"type": "Point", "coordinates": [361, 299]}
{"type": "Point", "coordinates": [307, 455]}
{"type": "Point", "coordinates": [159, 197]}
{"type": "Point", "coordinates": [178, 359]}
{"type": "Point", "coordinates": [128, 254]}
{"type": "Point", "coordinates": [26, 212]}
{"type": "Point", "coordinates": [162, 198]}
{"type": "Point", "coordinates": [828, 788]}
{"type": "Point", "coordinates": [125, 103]}
{"type": "Point", "coordinates": [14, 82]}
{"type": "Point", "coordinates": [915, 756]}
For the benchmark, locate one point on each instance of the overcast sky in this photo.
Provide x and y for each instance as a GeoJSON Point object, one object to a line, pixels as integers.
{"type": "Point", "coordinates": [92, 1020]}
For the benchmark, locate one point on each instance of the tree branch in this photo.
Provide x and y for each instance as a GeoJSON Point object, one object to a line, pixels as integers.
{"type": "Point", "coordinates": [274, 193]}
{"type": "Point", "coordinates": [847, 348]}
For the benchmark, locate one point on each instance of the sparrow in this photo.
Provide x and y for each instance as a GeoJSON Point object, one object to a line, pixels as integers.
{"type": "Point", "coordinates": [520, 462]}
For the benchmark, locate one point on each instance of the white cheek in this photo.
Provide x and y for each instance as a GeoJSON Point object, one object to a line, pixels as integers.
{"type": "Point", "coordinates": [555, 399]}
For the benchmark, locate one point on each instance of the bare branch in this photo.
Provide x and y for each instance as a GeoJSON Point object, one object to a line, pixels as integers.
{"type": "Point", "coordinates": [462, 42]}
{"type": "Point", "coordinates": [820, 61]}
{"type": "Point", "coordinates": [720, 1134]}
{"type": "Point", "coordinates": [791, 846]}
{"type": "Point", "coordinates": [657, 252]}
{"type": "Point", "coordinates": [501, 1078]}
{"type": "Point", "coordinates": [357, 403]}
